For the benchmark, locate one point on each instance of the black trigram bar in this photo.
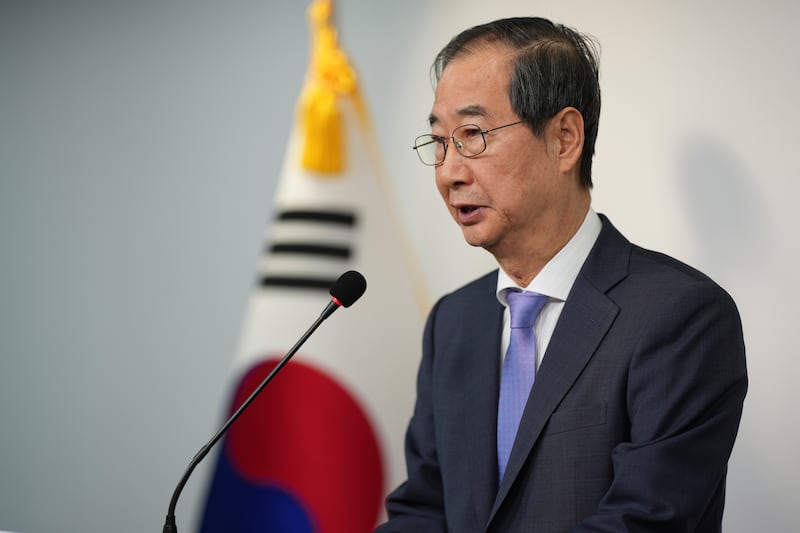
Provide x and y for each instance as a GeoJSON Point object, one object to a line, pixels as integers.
{"type": "Point", "coordinates": [297, 282]}
{"type": "Point", "coordinates": [337, 252]}
{"type": "Point", "coordinates": [329, 217]}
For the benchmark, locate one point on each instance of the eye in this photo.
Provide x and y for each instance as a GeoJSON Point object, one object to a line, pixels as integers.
{"type": "Point", "coordinates": [468, 131]}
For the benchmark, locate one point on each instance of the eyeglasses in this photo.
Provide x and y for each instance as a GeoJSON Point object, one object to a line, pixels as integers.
{"type": "Point", "coordinates": [468, 139]}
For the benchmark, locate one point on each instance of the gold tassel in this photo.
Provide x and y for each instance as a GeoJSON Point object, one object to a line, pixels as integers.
{"type": "Point", "coordinates": [330, 77]}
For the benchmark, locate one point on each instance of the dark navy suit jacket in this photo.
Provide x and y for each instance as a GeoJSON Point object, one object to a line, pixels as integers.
{"type": "Point", "coordinates": [628, 427]}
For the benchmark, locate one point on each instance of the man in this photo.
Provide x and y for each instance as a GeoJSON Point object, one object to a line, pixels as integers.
{"type": "Point", "coordinates": [639, 359]}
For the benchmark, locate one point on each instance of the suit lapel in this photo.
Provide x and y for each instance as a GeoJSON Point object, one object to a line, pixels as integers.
{"type": "Point", "coordinates": [584, 321]}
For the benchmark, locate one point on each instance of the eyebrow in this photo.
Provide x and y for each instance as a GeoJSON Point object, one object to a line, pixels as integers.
{"type": "Point", "coordinates": [473, 110]}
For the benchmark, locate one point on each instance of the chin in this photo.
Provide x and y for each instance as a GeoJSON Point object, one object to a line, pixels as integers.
{"type": "Point", "coordinates": [476, 240]}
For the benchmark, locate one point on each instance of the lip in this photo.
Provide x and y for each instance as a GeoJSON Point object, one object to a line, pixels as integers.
{"type": "Point", "coordinates": [469, 214]}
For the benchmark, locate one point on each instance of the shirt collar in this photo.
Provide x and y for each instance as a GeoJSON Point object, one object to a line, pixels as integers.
{"type": "Point", "coordinates": [558, 275]}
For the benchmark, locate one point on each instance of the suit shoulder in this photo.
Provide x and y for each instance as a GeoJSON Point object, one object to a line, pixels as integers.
{"type": "Point", "coordinates": [628, 272]}
{"type": "Point", "coordinates": [665, 274]}
{"type": "Point", "coordinates": [477, 288]}
{"type": "Point", "coordinates": [481, 289]}
{"type": "Point", "coordinates": [660, 263]}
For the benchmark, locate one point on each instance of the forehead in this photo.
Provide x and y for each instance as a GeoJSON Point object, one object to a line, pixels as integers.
{"type": "Point", "coordinates": [474, 84]}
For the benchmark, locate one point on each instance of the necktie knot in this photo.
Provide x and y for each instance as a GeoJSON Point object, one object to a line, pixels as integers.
{"type": "Point", "coordinates": [524, 307]}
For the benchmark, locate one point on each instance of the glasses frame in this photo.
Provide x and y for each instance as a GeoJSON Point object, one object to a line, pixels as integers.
{"type": "Point", "coordinates": [430, 138]}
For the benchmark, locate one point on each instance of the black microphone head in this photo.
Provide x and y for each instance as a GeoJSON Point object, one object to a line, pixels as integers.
{"type": "Point", "coordinates": [349, 287]}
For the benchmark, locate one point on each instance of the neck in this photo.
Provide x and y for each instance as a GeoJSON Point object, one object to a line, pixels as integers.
{"type": "Point", "coordinates": [524, 261]}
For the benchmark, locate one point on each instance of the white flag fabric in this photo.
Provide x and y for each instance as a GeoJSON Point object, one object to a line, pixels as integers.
{"type": "Point", "coordinates": [323, 444]}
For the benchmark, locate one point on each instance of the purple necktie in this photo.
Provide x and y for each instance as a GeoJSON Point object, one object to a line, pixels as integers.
{"type": "Point", "coordinates": [519, 369]}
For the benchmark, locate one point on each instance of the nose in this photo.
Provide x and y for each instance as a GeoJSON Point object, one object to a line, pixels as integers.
{"type": "Point", "coordinates": [454, 171]}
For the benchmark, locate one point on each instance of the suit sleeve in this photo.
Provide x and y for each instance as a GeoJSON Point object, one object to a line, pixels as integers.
{"type": "Point", "coordinates": [418, 504]}
{"type": "Point", "coordinates": [686, 386]}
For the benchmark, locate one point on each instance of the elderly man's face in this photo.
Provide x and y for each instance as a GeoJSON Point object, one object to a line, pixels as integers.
{"type": "Point", "coordinates": [507, 198]}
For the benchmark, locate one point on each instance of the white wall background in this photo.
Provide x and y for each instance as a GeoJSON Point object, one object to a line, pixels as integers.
{"type": "Point", "coordinates": [140, 144]}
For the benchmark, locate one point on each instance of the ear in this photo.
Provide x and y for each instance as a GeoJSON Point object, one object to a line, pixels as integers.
{"type": "Point", "coordinates": [568, 130]}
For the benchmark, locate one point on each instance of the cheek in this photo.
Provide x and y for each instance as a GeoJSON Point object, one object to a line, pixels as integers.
{"type": "Point", "coordinates": [521, 195]}
{"type": "Point", "coordinates": [442, 187]}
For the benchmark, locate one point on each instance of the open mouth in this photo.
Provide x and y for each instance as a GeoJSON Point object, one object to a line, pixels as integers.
{"type": "Point", "coordinates": [469, 214]}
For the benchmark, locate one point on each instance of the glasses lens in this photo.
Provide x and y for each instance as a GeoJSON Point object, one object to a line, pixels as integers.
{"type": "Point", "coordinates": [469, 140]}
{"type": "Point", "coordinates": [429, 149]}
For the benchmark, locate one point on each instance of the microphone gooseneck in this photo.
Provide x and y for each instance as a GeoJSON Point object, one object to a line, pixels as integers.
{"type": "Point", "coordinates": [344, 292]}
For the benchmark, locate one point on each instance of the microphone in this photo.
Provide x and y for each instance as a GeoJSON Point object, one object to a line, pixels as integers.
{"type": "Point", "coordinates": [345, 291]}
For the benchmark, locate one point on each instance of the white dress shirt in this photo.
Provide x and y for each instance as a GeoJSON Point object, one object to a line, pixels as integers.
{"type": "Point", "coordinates": [555, 280]}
